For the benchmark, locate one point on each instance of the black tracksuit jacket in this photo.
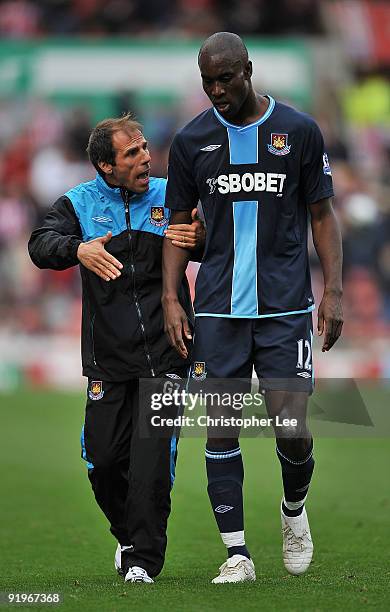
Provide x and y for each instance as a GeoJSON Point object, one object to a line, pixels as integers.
{"type": "Point", "coordinates": [122, 320]}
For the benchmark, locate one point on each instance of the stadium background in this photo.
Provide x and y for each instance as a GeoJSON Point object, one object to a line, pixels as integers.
{"type": "Point", "coordinates": [65, 65]}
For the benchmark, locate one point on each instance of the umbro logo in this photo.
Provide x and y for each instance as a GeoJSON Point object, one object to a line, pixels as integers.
{"type": "Point", "coordinates": [102, 219]}
{"type": "Point", "coordinates": [304, 374]}
{"type": "Point", "coordinates": [211, 148]}
{"type": "Point", "coordinates": [302, 489]}
{"type": "Point", "coordinates": [222, 509]}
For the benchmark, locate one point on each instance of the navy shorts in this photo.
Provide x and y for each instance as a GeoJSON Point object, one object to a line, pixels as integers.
{"type": "Point", "coordinates": [278, 348]}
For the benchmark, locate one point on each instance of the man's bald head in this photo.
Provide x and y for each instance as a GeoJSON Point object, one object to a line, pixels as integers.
{"type": "Point", "coordinates": [225, 44]}
{"type": "Point", "coordinates": [226, 74]}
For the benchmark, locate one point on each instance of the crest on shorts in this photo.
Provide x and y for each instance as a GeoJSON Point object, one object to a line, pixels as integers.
{"type": "Point", "coordinates": [279, 144]}
{"type": "Point", "coordinates": [199, 370]}
{"type": "Point", "coordinates": [96, 390]}
{"type": "Point", "coordinates": [157, 216]}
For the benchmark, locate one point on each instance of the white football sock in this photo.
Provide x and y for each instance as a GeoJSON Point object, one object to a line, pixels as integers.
{"type": "Point", "coordinates": [234, 538]}
{"type": "Point", "coordinates": [294, 505]}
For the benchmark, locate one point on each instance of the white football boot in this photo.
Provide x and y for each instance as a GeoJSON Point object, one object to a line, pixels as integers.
{"type": "Point", "coordinates": [236, 569]}
{"type": "Point", "coordinates": [138, 574]}
{"type": "Point", "coordinates": [297, 543]}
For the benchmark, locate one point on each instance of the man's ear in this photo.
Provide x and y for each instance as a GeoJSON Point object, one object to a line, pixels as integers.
{"type": "Point", "coordinates": [105, 167]}
{"type": "Point", "coordinates": [248, 70]}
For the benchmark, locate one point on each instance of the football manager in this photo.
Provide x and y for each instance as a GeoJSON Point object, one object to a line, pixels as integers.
{"type": "Point", "coordinates": [113, 227]}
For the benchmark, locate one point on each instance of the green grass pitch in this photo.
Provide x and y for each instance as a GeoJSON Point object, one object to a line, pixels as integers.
{"type": "Point", "coordinates": [54, 538]}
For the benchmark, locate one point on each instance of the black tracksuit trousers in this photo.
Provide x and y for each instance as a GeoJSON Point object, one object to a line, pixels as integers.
{"type": "Point", "coordinates": [132, 473]}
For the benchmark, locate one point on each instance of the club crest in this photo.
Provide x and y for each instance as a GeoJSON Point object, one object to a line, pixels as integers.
{"type": "Point", "coordinates": [157, 216]}
{"type": "Point", "coordinates": [199, 370]}
{"type": "Point", "coordinates": [96, 390]}
{"type": "Point", "coordinates": [279, 144]}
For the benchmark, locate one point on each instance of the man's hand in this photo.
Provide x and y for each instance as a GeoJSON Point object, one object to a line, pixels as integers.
{"type": "Point", "coordinates": [330, 318]}
{"type": "Point", "coordinates": [187, 236]}
{"type": "Point", "coordinates": [176, 325]}
{"type": "Point", "coordinates": [94, 256]}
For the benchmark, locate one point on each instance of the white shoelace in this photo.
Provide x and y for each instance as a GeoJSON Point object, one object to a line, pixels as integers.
{"type": "Point", "coordinates": [228, 570]}
{"type": "Point", "coordinates": [137, 573]}
{"type": "Point", "coordinates": [295, 543]}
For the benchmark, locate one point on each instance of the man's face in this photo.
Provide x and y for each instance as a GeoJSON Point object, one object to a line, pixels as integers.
{"type": "Point", "coordinates": [226, 82]}
{"type": "Point", "coordinates": [132, 161]}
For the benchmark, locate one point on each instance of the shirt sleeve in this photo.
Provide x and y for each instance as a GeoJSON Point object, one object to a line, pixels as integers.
{"type": "Point", "coordinates": [54, 245]}
{"type": "Point", "coordinates": [182, 192]}
{"type": "Point", "coordinates": [316, 172]}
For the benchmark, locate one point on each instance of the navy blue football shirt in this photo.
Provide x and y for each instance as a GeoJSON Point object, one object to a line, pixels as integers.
{"type": "Point", "coordinates": [255, 183]}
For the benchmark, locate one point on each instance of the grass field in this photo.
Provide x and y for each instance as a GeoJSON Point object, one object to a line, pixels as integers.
{"type": "Point", "coordinates": [54, 538]}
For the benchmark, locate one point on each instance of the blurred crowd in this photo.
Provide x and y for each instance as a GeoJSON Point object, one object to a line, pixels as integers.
{"type": "Point", "coordinates": [355, 122]}
{"type": "Point", "coordinates": [42, 154]}
{"type": "Point", "coordinates": [162, 18]}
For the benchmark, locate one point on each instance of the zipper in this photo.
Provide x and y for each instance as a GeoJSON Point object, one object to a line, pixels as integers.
{"type": "Point", "coordinates": [93, 339]}
{"type": "Point", "coordinates": [125, 198]}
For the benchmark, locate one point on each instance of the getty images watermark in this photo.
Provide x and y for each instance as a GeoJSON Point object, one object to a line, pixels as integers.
{"type": "Point", "coordinates": [224, 407]}
{"type": "Point", "coordinates": [184, 400]}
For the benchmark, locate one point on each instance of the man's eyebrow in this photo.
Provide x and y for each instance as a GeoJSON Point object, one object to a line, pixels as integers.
{"type": "Point", "coordinates": [136, 145]}
{"type": "Point", "coordinates": [218, 76]}
{"type": "Point", "coordinates": [132, 147]}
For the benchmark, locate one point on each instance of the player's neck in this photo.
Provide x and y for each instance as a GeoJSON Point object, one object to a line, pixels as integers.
{"type": "Point", "coordinates": [252, 110]}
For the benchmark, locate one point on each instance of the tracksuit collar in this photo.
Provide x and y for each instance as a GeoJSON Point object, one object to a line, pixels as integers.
{"type": "Point", "coordinates": [113, 193]}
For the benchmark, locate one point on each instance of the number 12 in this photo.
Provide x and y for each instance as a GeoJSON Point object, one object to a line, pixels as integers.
{"type": "Point", "coordinates": [304, 344]}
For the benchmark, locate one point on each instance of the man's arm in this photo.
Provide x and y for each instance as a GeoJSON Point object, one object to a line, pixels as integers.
{"type": "Point", "coordinates": [58, 244]}
{"type": "Point", "coordinates": [174, 264]}
{"type": "Point", "coordinates": [54, 245]}
{"type": "Point", "coordinates": [189, 236]}
{"type": "Point", "coordinates": [327, 242]}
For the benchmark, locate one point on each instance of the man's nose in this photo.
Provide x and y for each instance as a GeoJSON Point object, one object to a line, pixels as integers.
{"type": "Point", "coordinates": [147, 157]}
{"type": "Point", "coordinates": [217, 90]}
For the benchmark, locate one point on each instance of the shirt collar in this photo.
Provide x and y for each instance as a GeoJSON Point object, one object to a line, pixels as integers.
{"type": "Point", "coordinates": [113, 193]}
{"type": "Point", "coordinates": [242, 128]}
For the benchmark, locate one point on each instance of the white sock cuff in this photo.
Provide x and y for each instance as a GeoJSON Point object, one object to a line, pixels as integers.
{"type": "Point", "coordinates": [295, 462]}
{"type": "Point", "coordinates": [294, 505]}
{"type": "Point", "coordinates": [218, 455]}
{"type": "Point", "coordinates": [234, 538]}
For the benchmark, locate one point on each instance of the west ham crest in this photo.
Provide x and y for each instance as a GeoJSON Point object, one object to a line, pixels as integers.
{"type": "Point", "coordinates": [279, 144]}
{"type": "Point", "coordinates": [199, 370]}
{"type": "Point", "coordinates": [157, 216]}
{"type": "Point", "coordinates": [96, 390]}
